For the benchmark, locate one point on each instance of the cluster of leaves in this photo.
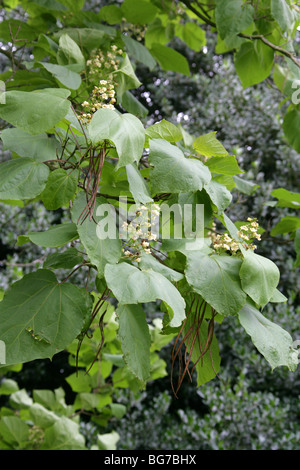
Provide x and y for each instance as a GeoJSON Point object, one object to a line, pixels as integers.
{"type": "Point", "coordinates": [65, 162]}
{"type": "Point", "coordinates": [41, 419]}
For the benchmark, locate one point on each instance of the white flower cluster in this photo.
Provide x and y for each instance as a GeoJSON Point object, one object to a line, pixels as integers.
{"type": "Point", "coordinates": [139, 232]}
{"type": "Point", "coordinates": [247, 232]}
{"type": "Point", "coordinates": [102, 66]}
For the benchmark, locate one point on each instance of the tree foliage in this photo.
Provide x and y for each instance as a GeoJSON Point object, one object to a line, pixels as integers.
{"type": "Point", "coordinates": [80, 142]}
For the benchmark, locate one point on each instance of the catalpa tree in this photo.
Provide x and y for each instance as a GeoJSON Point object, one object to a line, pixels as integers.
{"type": "Point", "coordinates": [147, 204]}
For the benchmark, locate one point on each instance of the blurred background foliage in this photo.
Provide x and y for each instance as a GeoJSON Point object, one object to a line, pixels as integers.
{"type": "Point", "coordinates": [248, 406]}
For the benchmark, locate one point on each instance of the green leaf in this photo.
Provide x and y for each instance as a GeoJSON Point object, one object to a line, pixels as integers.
{"type": "Point", "coordinates": [88, 38]}
{"type": "Point", "coordinates": [100, 251]}
{"type": "Point", "coordinates": [287, 224]}
{"type": "Point", "coordinates": [70, 54]}
{"type": "Point", "coordinates": [282, 13]}
{"type": "Point", "coordinates": [35, 112]}
{"type": "Point", "coordinates": [253, 62]}
{"type": "Point", "coordinates": [132, 105]}
{"type": "Point", "coordinates": [259, 277]}
{"type": "Point", "coordinates": [40, 316]}
{"type": "Point", "coordinates": [149, 262]}
{"type": "Point", "coordinates": [291, 123]}
{"type": "Point", "coordinates": [13, 430]}
{"type": "Point", "coordinates": [216, 279]}
{"type": "Point", "coordinates": [66, 77]}
{"type": "Point", "coordinates": [8, 386]}
{"type": "Point", "coordinates": [137, 185]}
{"type": "Point", "coordinates": [192, 34]}
{"type": "Point", "coordinates": [42, 417]}
{"type": "Point", "coordinates": [219, 195]}
{"type": "Point", "coordinates": [169, 59]}
{"type": "Point", "coordinates": [66, 260]}
{"type": "Point", "coordinates": [126, 78]}
{"type": "Point", "coordinates": [163, 130]}
{"type": "Point", "coordinates": [297, 248]}
{"type": "Point", "coordinates": [124, 130]}
{"type": "Point", "coordinates": [60, 189]}
{"type": "Point", "coordinates": [141, 12]}
{"type": "Point", "coordinates": [232, 17]}
{"type": "Point", "coordinates": [224, 165]}
{"type": "Point", "coordinates": [286, 198]}
{"type": "Point", "coordinates": [63, 435]}
{"type": "Point", "coordinates": [245, 187]}
{"type": "Point", "coordinates": [274, 343]}
{"type": "Point", "coordinates": [173, 172]}
{"type": "Point", "coordinates": [55, 236]}
{"type": "Point", "coordinates": [111, 14]}
{"type": "Point", "coordinates": [139, 52]}
{"type": "Point", "coordinates": [278, 297]}
{"type": "Point", "coordinates": [209, 146]}
{"type": "Point", "coordinates": [39, 147]}
{"type": "Point", "coordinates": [132, 286]}
{"type": "Point", "coordinates": [156, 33]}
{"type": "Point", "coordinates": [135, 340]}
{"type": "Point", "coordinates": [22, 178]}
{"type": "Point", "coordinates": [108, 441]}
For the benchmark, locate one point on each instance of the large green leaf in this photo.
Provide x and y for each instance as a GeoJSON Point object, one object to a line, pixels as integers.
{"type": "Point", "coordinates": [286, 198]}
{"type": "Point", "coordinates": [135, 340]}
{"type": "Point", "coordinates": [40, 316]}
{"type": "Point", "coordinates": [209, 146]}
{"type": "Point", "coordinates": [40, 147]}
{"type": "Point", "coordinates": [63, 435]}
{"type": "Point", "coordinates": [22, 178]}
{"type": "Point", "coordinates": [100, 251]}
{"type": "Point", "coordinates": [132, 286]}
{"type": "Point", "coordinates": [224, 165]}
{"type": "Point", "coordinates": [192, 34]}
{"type": "Point", "coordinates": [137, 185]}
{"type": "Point", "coordinates": [274, 343]}
{"type": "Point", "coordinates": [126, 77]}
{"type": "Point", "coordinates": [232, 17]}
{"type": "Point", "coordinates": [169, 59]}
{"type": "Point", "coordinates": [65, 260]}
{"type": "Point", "coordinates": [253, 62]}
{"type": "Point", "coordinates": [141, 12]}
{"type": "Point", "coordinates": [290, 126]}
{"type": "Point", "coordinates": [57, 235]}
{"type": "Point", "coordinates": [163, 130]}
{"type": "Point", "coordinates": [60, 189]}
{"type": "Point", "coordinates": [139, 52]}
{"type": "Point", "coordinates": [124, 130]}
{"type": "Point", "coordinates": [66, 77]}
{"type": "Point", "coordinates": [260, 277]}
{"type": "Point", "coordinates": [219, 195]}
{"type": "Point", "coordinates": [287, 224]}
{"type": "Point", "coordinates": [149, 262]}
{"type": "Point", "coordinates": [69, 53]}
{"type": "Point", "coordinates": [14, 430]}
{"type": "Point", "coordinates": [35, 112]}
{"type": "Point", "coordinates": [282, 13]}
{"type": "Point", "coordinates": [173, 172]}
{"type": "Point", "coordinates": [216, 279]}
